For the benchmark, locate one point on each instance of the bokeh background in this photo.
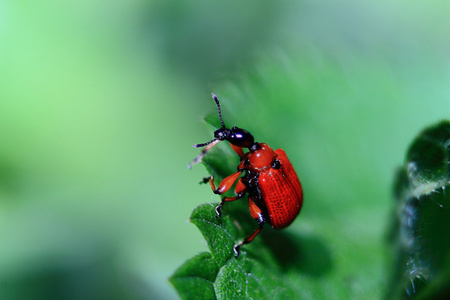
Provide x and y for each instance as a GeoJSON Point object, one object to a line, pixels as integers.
{"type": "Point", "coordinates": [100, 102]}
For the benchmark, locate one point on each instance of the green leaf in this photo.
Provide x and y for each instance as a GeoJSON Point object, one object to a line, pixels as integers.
{"type": "Point", "coordinates": [251, 275]}
{"type": "Point", "coordinates": [421, 233]}
{"type": "Point", "coordinates": [195, 279]}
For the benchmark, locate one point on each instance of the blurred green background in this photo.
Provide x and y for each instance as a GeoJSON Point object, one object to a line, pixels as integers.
{"type": "Point", "coordinates": [100, 102]}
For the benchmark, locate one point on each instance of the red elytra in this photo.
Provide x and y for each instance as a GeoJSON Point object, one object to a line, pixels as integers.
{"type": "Point", "coordinates": [274, 190]}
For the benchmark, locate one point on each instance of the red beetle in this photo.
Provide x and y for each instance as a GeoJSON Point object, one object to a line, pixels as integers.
{"type": "Point", "coordinates": [274, 190]}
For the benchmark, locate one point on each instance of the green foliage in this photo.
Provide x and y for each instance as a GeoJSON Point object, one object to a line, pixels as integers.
{"type": "Point", "coordinates": [195, 279]}
{"type": "Point", "coordinates": [255, 274]}
{"type": "Point", "coordinates": [421, 234]}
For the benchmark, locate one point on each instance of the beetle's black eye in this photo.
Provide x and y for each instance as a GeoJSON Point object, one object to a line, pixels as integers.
{"type": "Point", "coordinates": [219, 134]}
{"type": "Point", "coordinates": [222, 134]}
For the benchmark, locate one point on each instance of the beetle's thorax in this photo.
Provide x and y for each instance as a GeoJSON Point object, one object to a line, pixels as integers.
{"type": "Point", "coordinates": [259, 159]}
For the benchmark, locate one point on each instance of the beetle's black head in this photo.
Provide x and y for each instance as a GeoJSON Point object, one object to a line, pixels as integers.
{"type": "Point", "coordinates": [236, 136]}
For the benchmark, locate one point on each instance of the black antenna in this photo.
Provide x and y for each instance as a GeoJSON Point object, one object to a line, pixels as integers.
{"type": "Point", "coordinates": [221, 122]}
{"type": "Point", "coordinates": [218, 108]}
{"type": "Point", "coordinates": [204, 144]}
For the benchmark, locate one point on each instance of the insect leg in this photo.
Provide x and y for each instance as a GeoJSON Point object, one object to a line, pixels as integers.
{"type": "Point", "coordinates": [258, 215]}
{"type": "Point", "coordinates": [240, 191]}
